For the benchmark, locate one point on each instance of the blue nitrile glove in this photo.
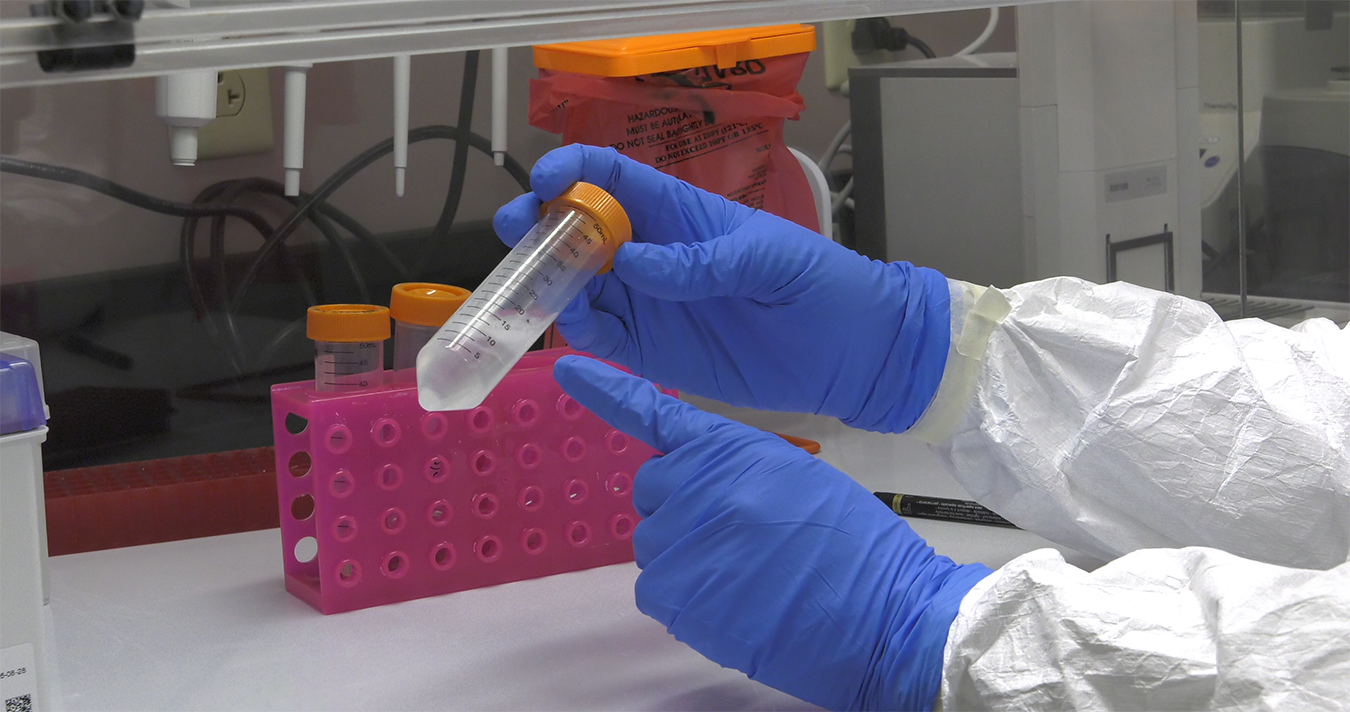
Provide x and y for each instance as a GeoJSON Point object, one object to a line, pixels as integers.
{"type": "Point", "coordinates": [767, 560]}
{"type": "Point", "coordinates": [745, 307]}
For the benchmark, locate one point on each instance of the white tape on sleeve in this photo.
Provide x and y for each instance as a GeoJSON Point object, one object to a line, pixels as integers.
{"type": "Point", "coordinates": [975, 311]}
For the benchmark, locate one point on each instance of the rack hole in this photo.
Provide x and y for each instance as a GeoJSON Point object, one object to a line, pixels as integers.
{"type": "Point", "coordinates": [395, 564]}
{"type": "Point", "coordinates": [299, 464]}
{"type": "Point", "coordinates": [568, 408]}
{"type": "Point", "coordinates": [488, 549]}
{"type": "Point", "coordinates": [480, 420]}
{"type": "Point", "coordinates": [434, 426]}
{"type": "Point", "coordinates": [302, 507]}
{"type": "Point", "coordinates": [295, 424]}
{"type": "Point", "coordinates": [391, 476]}
{"type": "Point", "coordinates": [344, 529]}
{"type": "Point", "coordinates": [338, 440]}
{"type": "Point", "coordinates": [531, 498]}
{"type": "Point", "coordinates": [439, 513]}
{"type": "Point", "coordinates": [526, 412]}
{"type": "Point", "coordinates": [529, 456]}
{"type": "Point", "coordinates": [483, 462]}
{"type": "Point", "coordinates": [386, 431]}
{"type": "Point", "coordinates": [621, 526]}
{"type": "Point", "coordinates": [437, 468]}
{"type": "Point", "coordinates": [443, 556]}
{"type": "Point", "coordinates": [342, 483]}
{"type": "Point", "coordinates": [616, 441]}
{"type": "Point", "coordinates": [393, 520]}
{"type": "Point", "coordinates": [575, 491]}
{"type": "Point", "coordinates": [485, 505]}
{"type": "Point", "coordinates": [574, 449]}
{"type": "Point", "coordinates": [619, 483]}
{"type": "Point", "coordinates": [306, 549]}
{"type": "Point", "coordinates": [578, 533]}
{"type": "Point", "coordinates": [349, 573]}
{"type": "Point", "coordinates": [534, 541]}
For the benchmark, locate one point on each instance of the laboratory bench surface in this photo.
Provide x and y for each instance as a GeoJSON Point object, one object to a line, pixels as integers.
{"type": "Point", "coordinates": [207, 623]}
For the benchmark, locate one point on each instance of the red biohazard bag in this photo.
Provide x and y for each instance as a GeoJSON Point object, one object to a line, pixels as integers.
{"type": "Point", "coordinates": [707, 108]}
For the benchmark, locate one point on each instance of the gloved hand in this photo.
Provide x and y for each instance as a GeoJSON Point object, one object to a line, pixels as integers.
{"type": "Point", "coordinates": [767, 560]}
{"type": "Point", "coordinates": [739, 305]}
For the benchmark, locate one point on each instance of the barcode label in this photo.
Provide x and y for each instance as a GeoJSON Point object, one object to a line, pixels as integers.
{"type": "Point", "coordinates": [18, 678]}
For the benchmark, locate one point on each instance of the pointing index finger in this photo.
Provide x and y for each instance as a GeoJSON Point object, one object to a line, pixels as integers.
{"type": "Point", "coordinates": [632, 404]}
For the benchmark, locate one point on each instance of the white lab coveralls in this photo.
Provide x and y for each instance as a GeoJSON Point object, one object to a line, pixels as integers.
{"type": "Point", "coordinates": [1212, 458]}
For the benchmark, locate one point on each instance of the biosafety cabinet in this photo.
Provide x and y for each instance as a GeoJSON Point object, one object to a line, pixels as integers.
{"type": "Point", "coordinates": [1198, 146]}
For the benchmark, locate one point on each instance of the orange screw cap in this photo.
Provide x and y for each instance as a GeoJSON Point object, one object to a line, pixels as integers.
{"type": "Point", "coordinates": [425, 303]}
{"type": "Point", "coordinates": [347, 323]}
{"type": "Point", "coordinates": [599, 204]}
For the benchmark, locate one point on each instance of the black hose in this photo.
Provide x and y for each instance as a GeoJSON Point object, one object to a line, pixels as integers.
{"type": "Point", "coordinates": [354, 166]}
{"type": "Point", "coordinates": [459, 166]}
{"type": "Point", "coordinates": [272, 239]}
{"type": "Point", "coordinates": [127, 195]}
{"type": "Point", "coordinates": [922, 47]}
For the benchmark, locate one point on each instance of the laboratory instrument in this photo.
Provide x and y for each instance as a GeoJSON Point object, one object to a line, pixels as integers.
{"type": "Point", "coordinates": [26, 673]}
{"type": "Point", "coordinates": [573, 241]}
{"type": "Point", "coordinates": [1305, 170]}
{"type": "Point", "coordinates": [419, 310]}
{"type": "Point", "coordinates": [1295, 155]}
{"type": "Point", "coordinates": [402, 83]}
{"type": "Point", "coordinates": [348, 345]}
{"type": "Point", "coordinates": [500, 63]}
{"type": "Point", "coordinates": [186, 101]}
{"type": "Point", "coordinates": [1066, 177]}
{"type": "Point", "coordinates": [293, 125]}
{"type": "Point", "coordinates": [915, 171]}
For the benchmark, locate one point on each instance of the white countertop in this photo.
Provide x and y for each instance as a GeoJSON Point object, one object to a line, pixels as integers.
{"type": "Point", "coordinates": [207, 623]}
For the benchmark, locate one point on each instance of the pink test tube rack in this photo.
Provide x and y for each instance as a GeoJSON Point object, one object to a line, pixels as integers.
{"type": "Point", "coordinates": [382, 501]}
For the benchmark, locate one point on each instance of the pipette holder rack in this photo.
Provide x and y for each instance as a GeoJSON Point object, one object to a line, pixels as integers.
{"type": "Point", "coordinates": [382, 501]}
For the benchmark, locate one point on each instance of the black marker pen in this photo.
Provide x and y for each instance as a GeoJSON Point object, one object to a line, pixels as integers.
{"type": "Point", "coordinates": [941, 509]}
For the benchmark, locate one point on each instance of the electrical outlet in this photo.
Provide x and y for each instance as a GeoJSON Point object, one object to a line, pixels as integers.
{"type": "Point", "coordinates": [837, 43]}
{"type": "Point", "coordinates": [229, 93]}
{"type": "Point", "coordinates": [243, 123]}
